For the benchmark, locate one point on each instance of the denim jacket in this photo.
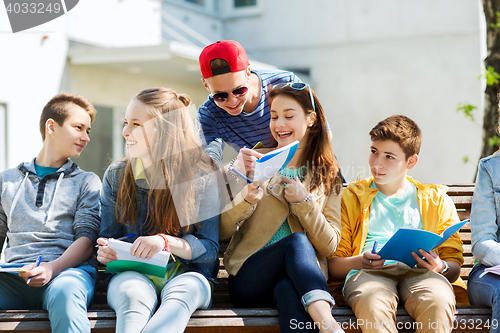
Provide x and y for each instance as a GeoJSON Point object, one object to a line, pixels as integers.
{"type": "Point", "coordinates": [203, 236]}
{"type": "Point", "coordinates": [485, 213]}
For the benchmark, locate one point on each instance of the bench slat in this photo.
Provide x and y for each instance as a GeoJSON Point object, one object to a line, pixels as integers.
{"type": "Point", "coordinates": [463, 215]}
{"type": "Point", "coordinates": [468, 262]}
{"type": "Point", "coordinates": [465, 237]}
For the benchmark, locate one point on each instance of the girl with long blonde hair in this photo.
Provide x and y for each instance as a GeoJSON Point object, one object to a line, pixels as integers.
{"type": "Point", "coordinates": [164, 193]}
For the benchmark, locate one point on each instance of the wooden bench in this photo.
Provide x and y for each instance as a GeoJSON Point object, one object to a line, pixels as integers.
{"type": "Point", "coordinates": [223, 317]}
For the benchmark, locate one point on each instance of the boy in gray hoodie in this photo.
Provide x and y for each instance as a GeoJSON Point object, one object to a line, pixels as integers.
{"type": "Point", "coordinates": [50, 208]}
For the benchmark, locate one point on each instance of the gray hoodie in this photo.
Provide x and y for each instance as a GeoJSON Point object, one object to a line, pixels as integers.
{"type": "Point", "coordinates": [44, 216]}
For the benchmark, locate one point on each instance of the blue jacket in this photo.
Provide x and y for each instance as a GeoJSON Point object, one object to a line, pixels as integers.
{"type": "Point", "coordinates": [485, 213]}
{"type": "Point", "coordinates": [202, 236]}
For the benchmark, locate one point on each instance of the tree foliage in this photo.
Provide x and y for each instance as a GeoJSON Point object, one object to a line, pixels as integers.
{"type": "Point", "coordinates": [492, 64]}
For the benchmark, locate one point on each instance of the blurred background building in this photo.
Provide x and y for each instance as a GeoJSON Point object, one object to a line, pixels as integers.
{"type": "Point", "coordinates": [366, 60]}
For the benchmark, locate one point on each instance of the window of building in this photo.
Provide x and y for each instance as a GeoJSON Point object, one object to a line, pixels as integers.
{"type": "Point", "coordinates": [198, 2]}
{"type": "Point", "coordinates": [244, 3]}
{"type": "Point", "coordinates": [242, 8]}
{"type": "Point", "coordinates": [3, 137]}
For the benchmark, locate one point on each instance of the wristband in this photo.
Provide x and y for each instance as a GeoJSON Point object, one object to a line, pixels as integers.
{"type": "Point", "coordinates": [446, 268]}
{"type": "Point", "coordinates": [165, 239]}
{"type": "Point", "coordinates": [308, 198]}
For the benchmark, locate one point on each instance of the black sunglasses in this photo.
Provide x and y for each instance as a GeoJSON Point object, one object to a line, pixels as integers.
{"type": "Point", "coordinates": [222, 96]}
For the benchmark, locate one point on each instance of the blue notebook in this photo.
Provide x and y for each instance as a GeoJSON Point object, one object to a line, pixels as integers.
{"type": "Point", "coordinates": [405, 241]}
{"type": "Point", "coordinates": [273, 162]}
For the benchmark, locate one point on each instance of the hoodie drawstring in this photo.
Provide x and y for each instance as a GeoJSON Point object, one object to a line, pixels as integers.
{"type": "Point", "coordinates": [51, 207]}
{"type": "Point", "coordinates": [18, 193]}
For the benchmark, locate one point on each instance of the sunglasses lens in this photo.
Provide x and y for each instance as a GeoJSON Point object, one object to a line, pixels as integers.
{"type": "Point", "coordinates": [293, 85]}
{"type": "Point", "coordinates": [240, 91]}
{"type": "Point", "coordinates": [220, 97]}
{"type": "Point", "coordinates": [298, 85]}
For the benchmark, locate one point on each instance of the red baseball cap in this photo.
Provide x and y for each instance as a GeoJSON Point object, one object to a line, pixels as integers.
{"type": "Point", "coordinates": [228, 50]}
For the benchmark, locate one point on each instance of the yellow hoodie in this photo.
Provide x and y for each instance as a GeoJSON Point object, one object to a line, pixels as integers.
{"type": "Point", "coordinates": [436, 209]}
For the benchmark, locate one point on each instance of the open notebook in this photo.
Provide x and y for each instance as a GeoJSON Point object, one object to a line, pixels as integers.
{"type": "Point", "coordinates": [273, 162]}
{"type": "Point", "coordinates": [156, 266]}
{"type": "Point", "coordinates": [405, 241]}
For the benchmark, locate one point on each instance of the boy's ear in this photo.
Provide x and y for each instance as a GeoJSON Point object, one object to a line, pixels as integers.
{"type": "Point", "coordinates": [412, 160]}
{"type": "Point", "coordinates": [49, 126]}
{"type": "Point", "coordinates": [206, 85]}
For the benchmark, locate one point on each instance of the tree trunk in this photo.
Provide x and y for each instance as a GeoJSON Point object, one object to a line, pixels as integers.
{"type": "Point", "coordinates": [491, 115]}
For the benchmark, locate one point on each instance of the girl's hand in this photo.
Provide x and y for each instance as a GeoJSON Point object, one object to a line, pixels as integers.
{"type": "Point", "coordinates": [369, 260]}
{"type": "Point", "coordinates": [252, 193]}
{"type": "Point", "coordinates": [432, 261]}
{"type": "Point", "coordinates": [246, 160]}
{"type": "Point", "coordinates": [294, 190]}
{"type": "Point", "coordinates": [145, 247]}
{"type": "Point", "coordinates": [105, 254]}
{"type": "Point", "coordinates": [40, 275]}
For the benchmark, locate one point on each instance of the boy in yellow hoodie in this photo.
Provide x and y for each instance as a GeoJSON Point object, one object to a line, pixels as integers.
{"type": "Point", "coordinates": [373, 210]}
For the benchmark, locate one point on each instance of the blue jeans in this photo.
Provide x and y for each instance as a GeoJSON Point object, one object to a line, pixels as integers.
{"type": "Point", "coordinates": [485, 291]}
{"type": "Point", "coordinates": [283, 275]}
{"type": "Point", "coordinates": [66, 297]}
{"type": "Point", "coordinates": [134, 298]}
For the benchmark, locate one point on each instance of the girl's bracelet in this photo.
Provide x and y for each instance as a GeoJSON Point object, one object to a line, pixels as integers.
{"type": "Point", "coordinates": [165, 239]}
{"type": "Point", "coordinates": [230, 169]}
{"type": "Point", "coordinates": [308, 198]}
{"type": "Point", "coordinates": [166, 247]}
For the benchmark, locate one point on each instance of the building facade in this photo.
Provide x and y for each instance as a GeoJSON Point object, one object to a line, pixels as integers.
{"type": "Point", "coordinates": [365, 59]}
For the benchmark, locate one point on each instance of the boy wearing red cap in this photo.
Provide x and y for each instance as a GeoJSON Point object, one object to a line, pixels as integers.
{"type": "Point", "coordinates": [237, 111]}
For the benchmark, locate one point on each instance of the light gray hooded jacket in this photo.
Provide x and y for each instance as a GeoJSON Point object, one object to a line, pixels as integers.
{"type": "Point", "coordinates": [44, 216]}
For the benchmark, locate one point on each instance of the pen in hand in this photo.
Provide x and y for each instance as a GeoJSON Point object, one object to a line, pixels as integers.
{"type": "Point", "coordinates": [374, 250]}
{"type": "Point", "coordinates": [242, 176]}
{"type": "Point", "coordinates": [37, 263]}
{"type": "Point", "coordinates": [125, 237]}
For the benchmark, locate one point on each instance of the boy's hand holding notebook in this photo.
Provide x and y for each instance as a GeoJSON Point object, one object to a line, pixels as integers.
{"type": "Point", "coordinates": [405, 241]}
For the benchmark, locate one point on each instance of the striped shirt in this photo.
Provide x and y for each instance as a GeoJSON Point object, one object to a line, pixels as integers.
{"type": "Point", "coordinates": [216, 125]}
